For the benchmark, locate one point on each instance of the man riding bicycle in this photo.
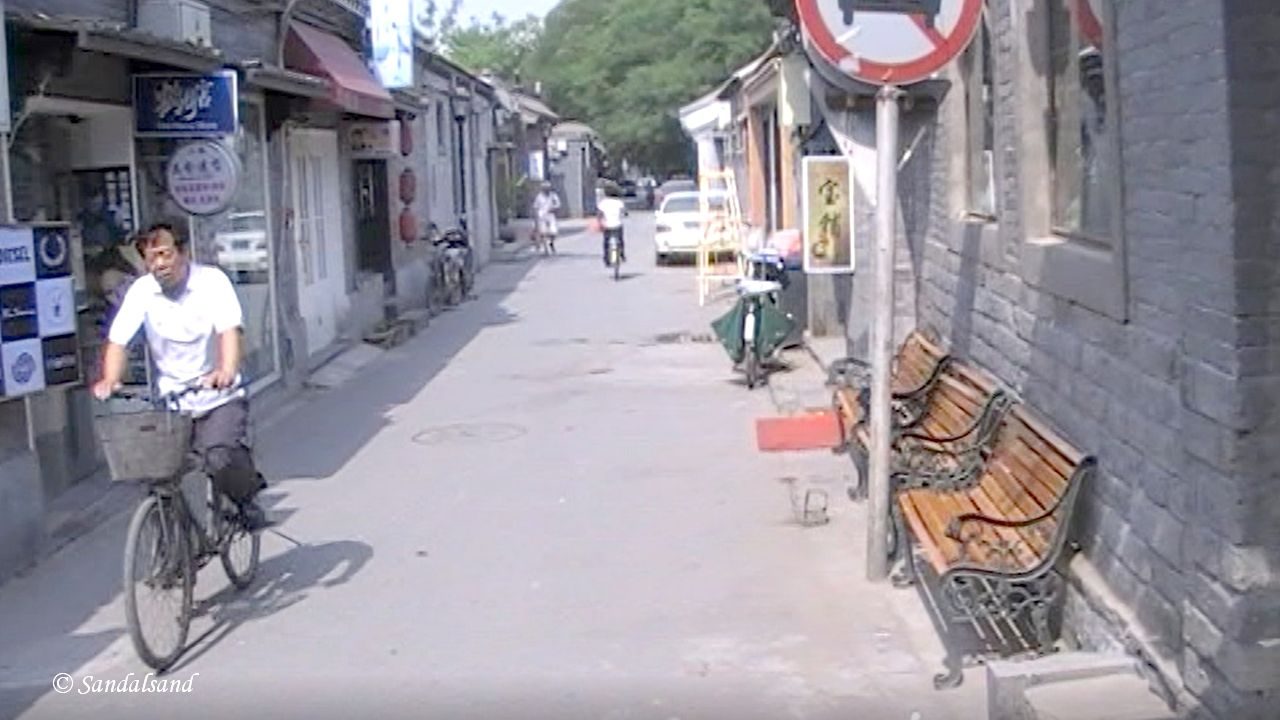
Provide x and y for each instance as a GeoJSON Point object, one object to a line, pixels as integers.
{"type": "Point", "coordinates": [545, 205]}
{"type": "Point", "coordinates": [610, 211]}
{"type": "Point", "coordinates": [193, 323]}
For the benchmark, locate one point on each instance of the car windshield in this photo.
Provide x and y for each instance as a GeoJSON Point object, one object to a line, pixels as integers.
{"type": "Point", "coordinates": [679, 186]}
{"type": "Point", "coordinates": [690, 204]}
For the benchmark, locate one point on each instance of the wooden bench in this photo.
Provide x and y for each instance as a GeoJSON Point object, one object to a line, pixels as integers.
{"type": "Point", "coordinates": [945, 447]}
{"type": "Point", "coordinates": [942, 441]}
{"type": "Point", "coordinates": [916, 368]}
{"type": "Point", "coordinates": [991, 553]}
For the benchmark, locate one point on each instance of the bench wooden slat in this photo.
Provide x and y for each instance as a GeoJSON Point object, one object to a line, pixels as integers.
{"type": "Point", "coordinates": [1041, 477]}
{"type": "Point", "coordinates": [1049, 444]}
{"type": "Point", "coordinates": [1031, 452]}
{"type": "Point", "coordinates": [1027, 548]}
{"type": "Point", "coordinates": [1020, 497]}
{"type": "Point", "coordinates": [1009, 504]}
{"type": "Point", "coordinates": [1026, 475]}
{"type": "Point", "coordinates": [934, 548]}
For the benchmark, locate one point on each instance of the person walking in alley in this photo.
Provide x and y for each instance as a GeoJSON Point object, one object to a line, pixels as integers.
{"type": "Point", "coordinates": [193, 323]}
{"type": "Point", "coordinates": [610, 212]}
{"type": "Point", "coordinates": [545, 205]}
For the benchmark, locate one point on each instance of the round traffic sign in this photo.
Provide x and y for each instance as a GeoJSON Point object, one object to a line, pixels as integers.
{"type": "Point", "coordinates": [889, 42]}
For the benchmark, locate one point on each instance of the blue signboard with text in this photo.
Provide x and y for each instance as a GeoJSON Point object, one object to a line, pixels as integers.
{"type": "Point", "coordinates": [186, 104]}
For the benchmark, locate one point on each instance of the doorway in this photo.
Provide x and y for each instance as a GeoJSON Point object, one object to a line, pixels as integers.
{"type": "Point", "coordinates": [373, 220]}
{"type": "Point", "coordinates": [318, 224]}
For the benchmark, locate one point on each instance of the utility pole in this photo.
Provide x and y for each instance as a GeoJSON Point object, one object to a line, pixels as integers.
{"type": "Point", "coordinates": [878, 489]}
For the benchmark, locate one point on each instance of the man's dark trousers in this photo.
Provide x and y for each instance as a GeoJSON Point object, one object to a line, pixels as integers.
{"type": "Point", "coordinates": [220, 439]}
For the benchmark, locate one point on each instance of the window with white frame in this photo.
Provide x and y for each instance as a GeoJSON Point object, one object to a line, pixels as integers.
{"type": "Point", "coordinates": [975, 64]}
{"type": "Point", "coordinates": [1081, 135]}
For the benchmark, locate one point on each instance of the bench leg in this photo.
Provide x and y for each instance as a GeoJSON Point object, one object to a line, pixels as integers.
{"type": "Point", "coordinates": [954, 675]}
{"type": "Point", "coordinates": [859, 491]}
{"type": "Point", "coordinates": [906, 576]}
{"type": "Point", "coordinates": [1042, 609]}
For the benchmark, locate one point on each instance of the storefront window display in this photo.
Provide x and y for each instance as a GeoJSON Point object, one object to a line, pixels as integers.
{"type": "Point", "coordinates": [59, 176]}
{"type": "Point", "coordinates": [238, 239]}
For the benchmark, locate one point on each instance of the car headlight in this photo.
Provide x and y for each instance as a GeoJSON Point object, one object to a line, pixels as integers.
{"type": "Point", "coordinates": [663, 228]}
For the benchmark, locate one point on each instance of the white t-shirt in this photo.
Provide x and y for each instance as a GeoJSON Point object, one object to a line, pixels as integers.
{"type": "Point", "coordinates": [546, 203]}
{"type": "Point", "coordinates": [613, 211]}
{"type": "Point", "coordinates": [182, 332]}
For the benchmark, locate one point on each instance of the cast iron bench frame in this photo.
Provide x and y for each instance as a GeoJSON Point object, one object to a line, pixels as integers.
{"type": "Point", "coordinates": [999, 582]}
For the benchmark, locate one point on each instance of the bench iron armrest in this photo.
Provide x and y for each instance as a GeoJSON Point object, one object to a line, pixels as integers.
{"type": "Point", "coordinates": [955, 527]}
{"type": "Point", "coordinates": [986, 421]}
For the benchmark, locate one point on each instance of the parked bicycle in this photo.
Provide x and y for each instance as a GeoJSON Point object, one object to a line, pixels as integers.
{"type": "Point", "coordinates": [453, 269]}
{"type": "Point", "coordinates": [168, 543]}
{"type": "Point", "coordinates": [755, 328]}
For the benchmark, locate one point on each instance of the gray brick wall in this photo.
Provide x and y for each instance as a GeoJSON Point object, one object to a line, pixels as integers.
{"type": "Point", "coordinates": [1178, 402]}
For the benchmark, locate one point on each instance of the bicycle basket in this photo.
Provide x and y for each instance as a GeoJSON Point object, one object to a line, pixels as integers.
{"type": "Point", "coordinates": [149, 445]}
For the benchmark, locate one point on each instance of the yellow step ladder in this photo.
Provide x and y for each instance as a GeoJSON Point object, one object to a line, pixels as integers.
{"type": "Point", "coordinates": [722, 234]}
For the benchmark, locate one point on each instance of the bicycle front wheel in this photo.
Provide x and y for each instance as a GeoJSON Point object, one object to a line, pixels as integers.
{"type": "Point", "coordinates": [240, 549]}
{"type": "Point", "coordinates": [158, 582]}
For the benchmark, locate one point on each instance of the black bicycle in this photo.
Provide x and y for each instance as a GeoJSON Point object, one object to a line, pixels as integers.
{"type": "Point", "coordinates": [167, 543]}
{"type": "Point", "coordinates": [613, 239]}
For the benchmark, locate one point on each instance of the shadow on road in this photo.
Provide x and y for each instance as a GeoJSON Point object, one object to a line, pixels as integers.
{"type": "Point", "coordinates": [283, 581]}
{"type": "Point", "coordinates": [43, 612]}
{"type": "Point", "coordinates": [347, 417]}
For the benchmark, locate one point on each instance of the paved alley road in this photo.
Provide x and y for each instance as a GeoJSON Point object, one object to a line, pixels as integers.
{"type": "Point", "coordinates": [548, 504]}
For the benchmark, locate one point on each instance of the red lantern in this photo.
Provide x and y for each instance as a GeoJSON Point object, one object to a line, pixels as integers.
{"type": "Point", "coordinates": [408, 186]}
{"type": "Point", "coordinates": [406, 137]}
{"type": "Point", "coordinates": [408, 226]}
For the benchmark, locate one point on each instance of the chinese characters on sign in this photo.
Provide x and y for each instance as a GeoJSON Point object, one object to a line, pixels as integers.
{"type": "Point", "coordinates": [202, 177]}
{"type": "Point", "coordinates": [38, 345]}
{"type": "Point", "coordinates": [828, 215]}
{"type": "Point", "coordinates": [185, 105]}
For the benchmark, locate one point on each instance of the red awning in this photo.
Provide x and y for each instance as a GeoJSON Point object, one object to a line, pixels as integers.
{"type": "Point", "coordinates": [354, 89]}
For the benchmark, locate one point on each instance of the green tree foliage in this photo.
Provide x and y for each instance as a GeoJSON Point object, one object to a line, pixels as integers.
{"type": "Point", "coordinates": [430, 22]}
{"type": "Point", "coordinates": [498, 45]}
{"type": "Point", "coordinates": [626, 68]}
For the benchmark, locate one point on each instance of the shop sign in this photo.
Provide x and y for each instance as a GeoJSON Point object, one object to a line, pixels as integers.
{"type": "Point", "coordinates": [827, 196]}
{"type": "Point", "coordinates": [38, 343]}
{"type": "Point", "coordinates": [186, 104]}
{"type": "Point", "coordinates": [391, 25]}
{"type": "Point", "coordinates": [202, 177]}
{"type": "Point", "coordinates": [374, 140]}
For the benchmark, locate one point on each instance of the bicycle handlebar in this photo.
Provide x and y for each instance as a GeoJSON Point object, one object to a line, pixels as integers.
{"type": "Point", "coordinates": [189, 387]}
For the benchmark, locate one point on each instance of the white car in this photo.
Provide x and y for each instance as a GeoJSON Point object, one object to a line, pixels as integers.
{"type": "Point", "coordinates": [242, 246]}
{"type": "Point", "coordinates": [679, 224]}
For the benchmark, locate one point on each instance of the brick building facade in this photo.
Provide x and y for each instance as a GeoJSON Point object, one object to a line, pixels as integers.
{"type": "Point", "coordinates": [1143, 319]}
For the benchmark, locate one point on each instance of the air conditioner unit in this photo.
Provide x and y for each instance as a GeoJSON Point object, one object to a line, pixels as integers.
{"type": "Point", "coordinates": [181, 20]}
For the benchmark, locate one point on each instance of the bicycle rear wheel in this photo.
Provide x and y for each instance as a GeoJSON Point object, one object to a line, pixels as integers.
{"type": "Point", "coordinates": [158, 582]}
{"type": "Point", "coordinates": [240, 548]}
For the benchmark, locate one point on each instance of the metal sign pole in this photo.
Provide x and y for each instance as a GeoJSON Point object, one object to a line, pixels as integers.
{"type": "Point", "coordinates": [879, 491]}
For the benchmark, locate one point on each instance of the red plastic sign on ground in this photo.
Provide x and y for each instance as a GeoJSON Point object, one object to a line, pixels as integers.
{"type": "Point", "coordinates": [889, 42]}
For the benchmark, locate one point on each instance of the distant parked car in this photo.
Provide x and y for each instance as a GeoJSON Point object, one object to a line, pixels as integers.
{"type": "Point", "coordinates": [673, 186]}
{"type": "Point", "coordinates": [242, 246]}
{"type": "Point", "coordinates": [678, 223]}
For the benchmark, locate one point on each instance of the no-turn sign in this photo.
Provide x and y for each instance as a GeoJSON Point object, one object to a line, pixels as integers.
{"type": "Point", "coordinates": [889, 42]}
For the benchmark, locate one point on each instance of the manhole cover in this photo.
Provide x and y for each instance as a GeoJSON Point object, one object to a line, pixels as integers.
{"type": "Point", "coordinates": [471, 434]}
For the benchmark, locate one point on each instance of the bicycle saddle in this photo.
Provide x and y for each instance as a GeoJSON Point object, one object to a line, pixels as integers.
{"type": "Point", "coordinates": [758, 287]}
